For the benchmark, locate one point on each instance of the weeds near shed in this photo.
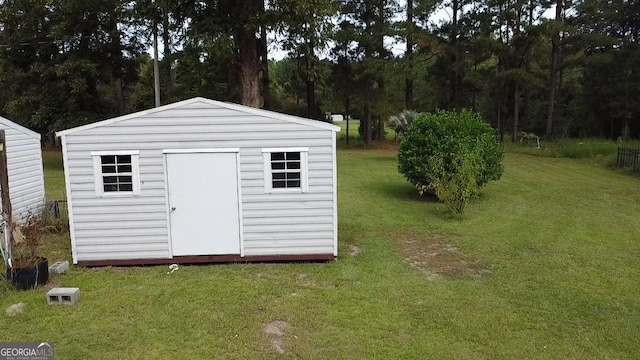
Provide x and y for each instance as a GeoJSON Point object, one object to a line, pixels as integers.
{"type": "Point", "coordinates": [27, 241]}
{"type": "Point", "coordinates": [55, 217]}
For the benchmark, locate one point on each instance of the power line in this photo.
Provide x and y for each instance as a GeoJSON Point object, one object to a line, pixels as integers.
{"type": "Point", "coordinates": [44, 42]}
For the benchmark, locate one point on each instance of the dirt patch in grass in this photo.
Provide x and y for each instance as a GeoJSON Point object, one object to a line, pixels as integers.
{"type": "Point", "coordinates": [435, 256]}
{"type": "Point", "coordinates": [276, 331]}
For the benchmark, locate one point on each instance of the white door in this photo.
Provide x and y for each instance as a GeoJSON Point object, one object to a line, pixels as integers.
{"type": "Point", "coordinates": [203, 203]}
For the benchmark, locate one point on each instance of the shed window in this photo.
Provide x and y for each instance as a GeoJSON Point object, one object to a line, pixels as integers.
{"type": "Point", "coordinates": [116, 173]}
{"type": "Point", "coordinates": [285, 170]}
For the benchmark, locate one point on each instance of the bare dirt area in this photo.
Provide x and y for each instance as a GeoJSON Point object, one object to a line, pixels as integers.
{"type": "Point", "coordinates": [354, 250]}
{"type": "Point", "coordinates": [432, 254]}
{"type": "Point", "coordinates": [276, 332]}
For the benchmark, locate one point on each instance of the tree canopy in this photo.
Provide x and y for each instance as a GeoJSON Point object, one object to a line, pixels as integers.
{"type": "Point", "coordinates": [551, 67]}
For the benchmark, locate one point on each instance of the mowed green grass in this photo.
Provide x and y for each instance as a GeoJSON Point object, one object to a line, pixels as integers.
{"type": "Point", "coordinates": [353, 129]}
{"type": "Point", "coordinates": [559, 236]}
{"type": "Point", "coordinates": [354, 136]}
{"type": "Point", "coordinates": [53, 175]}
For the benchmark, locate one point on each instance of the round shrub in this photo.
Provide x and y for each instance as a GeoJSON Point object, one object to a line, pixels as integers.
{"type": "Point", "coordinates": [451, 154]}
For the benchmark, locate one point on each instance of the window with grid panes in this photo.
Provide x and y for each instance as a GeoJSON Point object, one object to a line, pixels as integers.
{"type": "Point", "coordinates": [285, 170]}
{"type": "Point", "coordinates": [117, 173]}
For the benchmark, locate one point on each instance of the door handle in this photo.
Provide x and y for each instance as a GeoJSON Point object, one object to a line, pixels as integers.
{"type": "Point", "coordinates": [173, 208]}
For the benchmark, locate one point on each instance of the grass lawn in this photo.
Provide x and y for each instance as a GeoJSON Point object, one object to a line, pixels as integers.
{"type": "Point", "coordinates": [53, 175]}
{"type": "Point", "coordinates": [354, 136]}
{"type": "Point", "coordinates": [544, 266]}
{"type": "Point", "coordinates": [353, 129]}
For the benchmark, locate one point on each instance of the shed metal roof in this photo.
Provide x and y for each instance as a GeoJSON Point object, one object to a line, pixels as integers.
{"type": "Point", "coordinates": [20, 128]}
{"type": "Point", "coordinates": [240, 108]}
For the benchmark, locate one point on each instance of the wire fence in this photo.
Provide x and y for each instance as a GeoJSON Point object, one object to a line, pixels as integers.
{"type": "Point", "coordinates": [55, 214]}
{"type": "Point", "coordinates": [629, 158]}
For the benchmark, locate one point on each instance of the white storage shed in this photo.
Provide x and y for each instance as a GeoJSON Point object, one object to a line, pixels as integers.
{"type": "Point", "coordinates": [24, 166]}
{"type": "Point", "coordinates": [201, 181]}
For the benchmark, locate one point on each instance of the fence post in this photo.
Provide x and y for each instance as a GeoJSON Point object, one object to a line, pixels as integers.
{"type": "Point", "coordinates": [7, 214]}
{"type": "Point", "coordinates": [618, 157]}
{"type": "Point", "coordinates": [629, 158]}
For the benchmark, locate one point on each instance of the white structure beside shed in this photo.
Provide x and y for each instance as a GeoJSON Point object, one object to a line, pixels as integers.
{"type": "Point", "coordinates": [24, 166]}
{"type": "Point", "coordinates": [201, 181]}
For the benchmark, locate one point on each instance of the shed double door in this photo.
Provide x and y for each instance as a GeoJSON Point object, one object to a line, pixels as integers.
{"type": "Point", "coordinates": [203, 203]}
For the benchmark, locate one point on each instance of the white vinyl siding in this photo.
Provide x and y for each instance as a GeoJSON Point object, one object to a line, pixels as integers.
{"type": "Point", "coordinates": [24, 165]}
{"type": "Point", "coordinates": [111, 228]}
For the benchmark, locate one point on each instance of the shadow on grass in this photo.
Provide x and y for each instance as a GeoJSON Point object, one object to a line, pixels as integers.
{"type": "Point", "coordinates": [380, 157]}
{"type": "Point", "coordinates": [432, 206]}
{"type": "Point", "coordinates": [405, 192]}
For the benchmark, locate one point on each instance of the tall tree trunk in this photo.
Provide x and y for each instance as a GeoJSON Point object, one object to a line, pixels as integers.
{"type": "Point", "coordinates": [311, 99]}
{"type": "Point", "coordinates": [408, 90]}
{"type": "Point", "coordinates": [248, 70]}
{"type": "Point", "coordinates": [117, 83]}
{"type": "Point", "coordinates": [454, 41]}
{"type": "Point", "coordinates": [166, 42]}
{"type": "Point", "coordinates": [475, 91]}
{"type": "Point", "coordinates": [524, 118]}
{"type": "Point", "coordinates": [311, 83]}
{"type": "Point", "coordinates": [381, 82]}
{"type": "Point", "coordinates": [473, 103]}
{"type": "Point", "coordinates": [499, 97]}
{"type": "Point", "coordinates": [346, 116]}
{"type": "Point", "coordinates": [366, 130]}
{"type": "Point", "coordinates": [117, 73]}
{"type": "Point", "coordinates": [266, 82]}
{"type": "Point", "coordinates": [525, 104]}
{"type": "Point", "coordinates": [156, 66]}
{"type": "Point", "coordinates": [248, 62]}
{"type": "Point", "coordinates": [380, 134]}
{"type": "Point", "coordinates": [553, 82]}
{"type": "Point", "coordinates": [408, 103]}
{"type": "Point", "coordinates": [381, 129]}
{"type": "Point", "coordinates": [516, 113]}
{"type": "Point", "coordinates": [500, 125]}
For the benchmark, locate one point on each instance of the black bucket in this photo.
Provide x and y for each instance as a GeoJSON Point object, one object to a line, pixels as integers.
{"type": "Point", "coordinates": [28, 277]}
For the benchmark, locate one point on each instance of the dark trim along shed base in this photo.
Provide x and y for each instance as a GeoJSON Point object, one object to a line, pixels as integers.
{"type": "Point", "coordinates": [201, 259]}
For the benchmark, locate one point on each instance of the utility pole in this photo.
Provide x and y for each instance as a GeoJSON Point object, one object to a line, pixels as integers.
{"type": "Point", "coordinates": [4, 195]}
{"type": "Point", "coordinates": [156, 70]}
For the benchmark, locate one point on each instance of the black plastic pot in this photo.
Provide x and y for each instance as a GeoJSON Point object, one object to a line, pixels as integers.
{"type": "Point", "coordinates": [28, 277]}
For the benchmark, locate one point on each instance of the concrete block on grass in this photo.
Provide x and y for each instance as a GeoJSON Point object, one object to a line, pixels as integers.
{"type": "Point", "coordinates": [59, 267]}
{"type": "Point", "coordinates": [63, 296]}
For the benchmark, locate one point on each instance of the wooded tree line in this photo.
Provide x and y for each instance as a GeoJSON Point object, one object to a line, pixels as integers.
{"type": "Point", "coordinates": [69, 62]}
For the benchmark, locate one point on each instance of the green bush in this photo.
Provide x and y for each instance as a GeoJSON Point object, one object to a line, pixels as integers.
{"type": "Point", "coordinates": [452, 155]}
{"type": "Point", "coordinates": [456, 184]}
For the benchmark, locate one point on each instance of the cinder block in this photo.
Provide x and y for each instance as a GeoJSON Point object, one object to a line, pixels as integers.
{"type": "Point", "coordinates": [59, 267]}
{"type": "Point", "coordinates": [63, 296]}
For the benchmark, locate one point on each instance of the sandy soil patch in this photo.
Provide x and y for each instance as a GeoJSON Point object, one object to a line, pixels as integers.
{"type": "Point", "coordinates": [434, 255]}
